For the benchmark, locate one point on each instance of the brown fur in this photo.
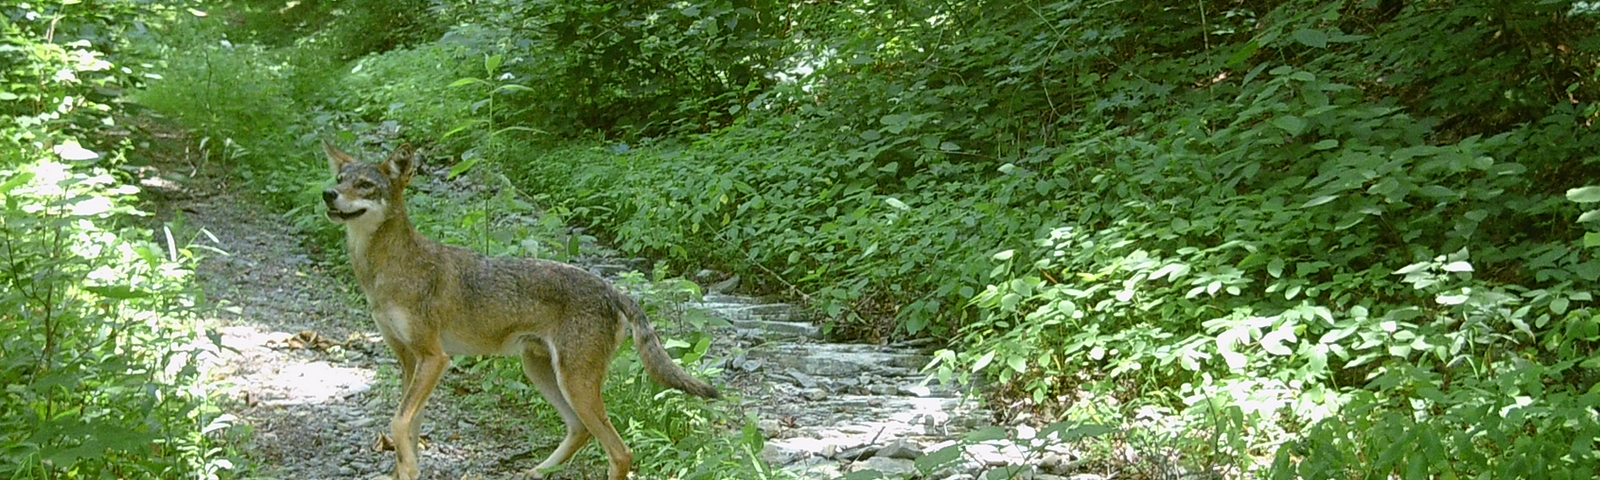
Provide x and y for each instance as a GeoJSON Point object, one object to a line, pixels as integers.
{"type": "Point", "coordinates": [432, 300]}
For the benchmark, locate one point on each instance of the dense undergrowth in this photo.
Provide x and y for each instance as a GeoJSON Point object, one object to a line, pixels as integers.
{"type": "Point", "coordinates": [98, 320]}
{"type": "Point", "coordinates": [263, 103]}
{"type": "Point", "coordinates": [1344, 237]}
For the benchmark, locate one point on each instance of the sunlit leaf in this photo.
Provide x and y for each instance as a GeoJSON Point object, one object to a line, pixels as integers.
{"type": "Point", "coordinates": [462, 166]}
{"type": "Point", "coordinates": [1319, 201]}
{"type": "Point", "coordinates": [75, 152]}
{"type": "Point", "coordinates": [1589, 194]}
{"type": "Point", "coordinates": [1273, 341]}
{"type": "Point", "coordinates": [983, 361]}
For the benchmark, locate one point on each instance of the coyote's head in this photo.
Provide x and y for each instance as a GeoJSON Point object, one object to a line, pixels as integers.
{"type": "Point", "coordinates": [366, 193]}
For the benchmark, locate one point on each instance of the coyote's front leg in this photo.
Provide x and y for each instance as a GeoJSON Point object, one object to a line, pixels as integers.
{"type": "Point", "coordinates": [408, 418]}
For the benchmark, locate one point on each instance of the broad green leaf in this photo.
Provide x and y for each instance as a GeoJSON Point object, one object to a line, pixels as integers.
{"type": "Point", "coordinates": [1319, 201]}
{"type": "Point", "coordinates": [1018, 364]}
{"type": "Point", "coordinates": [1243, 53]}
{"type": "Point", "coordinates": [1235, 360]}
{"type": "Point", "coordinates": [119, 291]}
{"type": "Point", "coordinates": [491, 64]}
{"type": "Point", "coordinates": [985, 434]}
{"type": "Point", "coordinates": [72, 151]}
{"type": "Point", "coordinates": [1311, 38]}
{"type": "Point", "coordinates": [1590, 240]}
{"type": "Point", "coordinates": [983, 361]}
{"type": "Point", "coordinates": [1273, 341]}
{"type": "Point", "coordinates": [465, 81]}
{"type": "Point", "coordinates": [461, 167]}
{"type": "Point", "coordinates": [1559, 305]}
{"type": "Point", "coordinates": [1458, 267]}
{"type": "Point", "coordinates": [1004, 255]}
{"type": "Point", "coordinates": [1290, 124]}
{"type": "Point", "coordinates": [15, 181]}
{"type": "Point", "coordinates": [1325, 144]}
{"type": "Point", "coordinates": [518, 128]}
{"type": "Point", "coordinates": [463, 126]}
{"type": "Point", "coordinates": [1412, 268]}
{"type": "Point", "coordinates": [1275, 267]}
{"type": "Point", "coordinates": [514, 87]}
{"type": "Point", "coordinates": [1589, 216]}
{"type": "Point", "coordinates": [1589, 194]}
{"type": "Point", "coordinates": [1172, 271]}
{"type": "Point", "coordinates": [938, 459]}
{"type": "Point", "coordinates": [862, 475]}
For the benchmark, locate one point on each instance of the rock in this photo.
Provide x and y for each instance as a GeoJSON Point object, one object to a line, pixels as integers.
{"type": "Point", "coordinates": [901, 448]}
{"type": "Point", "coordinates": [915, 391]}
{"type": "Point", "coordinates": [889, 467]}
{"type": "Point", "coordinates": [996, 454]}
{"type": "Point", "coordinates": [815, 394]}
{"type": "Point", "coordinates": [857, 454]}
{"type": "Point", "coordinates": [778, 455]}
{"type": "Point", "coordinates": [800, 378]}
{"type": "Point", "coordinates": [1053, 462]}
{"type": "Point", "coordinates": [347, 472]}
{"type": "Point", "coordinates": [725, 285]}
{"type": "Point", "coordinates": [1025, 432]}
{"type": "Point", "coordinates": [769, 427]}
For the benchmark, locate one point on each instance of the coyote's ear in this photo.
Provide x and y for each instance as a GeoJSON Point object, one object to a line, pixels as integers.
{"type": "Point", "coordinates": [401, 164]}
{"type": "Point", "coordinates": [336, 158]}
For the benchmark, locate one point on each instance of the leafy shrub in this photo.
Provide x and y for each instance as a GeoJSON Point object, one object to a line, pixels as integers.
{"type": "Point", "coordinates": [1337, 225]}
{"type": "Point", "coordinates": [1223, 196]}
{"type": "Point", "coordinates": [98, 334]}
{"type": "Point", "coordinates": [412, 84]}
{"type": "Point", "coordinates": [633, 68]}
{"type": "Point", "coordinates": [98, 351]}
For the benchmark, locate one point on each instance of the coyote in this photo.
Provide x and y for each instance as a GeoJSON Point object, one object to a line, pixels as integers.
{"type": "Point", "coordinates": [432, 300]}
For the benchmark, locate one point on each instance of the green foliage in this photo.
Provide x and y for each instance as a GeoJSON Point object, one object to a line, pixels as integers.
{"type": "Point", "coordinates": [351, 28]}
{"type": "Point", "coordinates": [99, 351]}
{"type": "Point", "coordinates": [634, 68]}
{"type": "Point", "coordinates": [1338, 226]}
{"type": "Point", "coordinates": [411, 84]}
{"type": "Point", "coordinates": [1229, 205]}
{"type": "Point", "coordinates": [99, 330]}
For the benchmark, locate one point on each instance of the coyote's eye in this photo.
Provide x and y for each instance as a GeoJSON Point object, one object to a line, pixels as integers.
{"type": "Point", "coordinates": [364, 184]}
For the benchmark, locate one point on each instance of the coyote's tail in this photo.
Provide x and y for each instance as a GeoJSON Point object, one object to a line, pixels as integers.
{"type": "Point", "coordinates": [656, 362]}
